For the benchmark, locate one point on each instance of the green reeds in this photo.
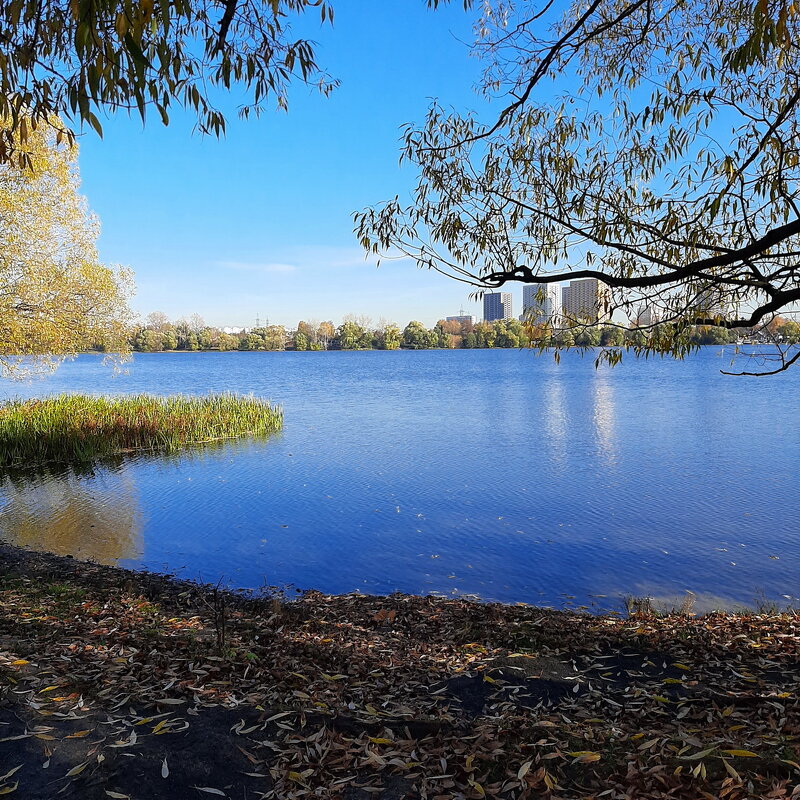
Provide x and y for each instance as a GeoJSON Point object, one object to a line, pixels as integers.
{"type": "Point", "coordinates": [79, 428]}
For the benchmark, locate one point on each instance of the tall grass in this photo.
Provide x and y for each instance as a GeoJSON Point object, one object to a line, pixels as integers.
{"type": "Point", "coordinates": [79, 428]}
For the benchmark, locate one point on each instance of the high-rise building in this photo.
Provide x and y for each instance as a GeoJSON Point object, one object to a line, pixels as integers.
{"type": "Point", "coordinates": [497, 305]}
{"type": "Point", "coordinates": [586, 300]}
{"type": "Point", "coordinates": [647, 316]}
{"type": "Point", "coordinates": [541, 303]}
{"type": "Point", "coordinates": [710, 302]}
{"type": "Point", "coordinates": [461, 319]}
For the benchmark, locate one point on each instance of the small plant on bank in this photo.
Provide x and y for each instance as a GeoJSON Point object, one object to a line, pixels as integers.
{"type": "Point", "coordinates": [80, 428]}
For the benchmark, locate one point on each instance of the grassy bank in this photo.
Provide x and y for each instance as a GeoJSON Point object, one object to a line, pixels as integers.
{"type": "Point", "coordinates": [79, 428]}
{"type": "Point", "coordinates": [123, 684]}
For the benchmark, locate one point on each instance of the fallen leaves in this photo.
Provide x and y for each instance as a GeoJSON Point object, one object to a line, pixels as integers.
{"type": "Point", "coordinates": [5, 786]}
{"type": "Point", "coordinates": [4, 778]}
{"type": "Point", "coordinates": [435, 698]}
{"type": "Point", "coordinates": [585, 757]}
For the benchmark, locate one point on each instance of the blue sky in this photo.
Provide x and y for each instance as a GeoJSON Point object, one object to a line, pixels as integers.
{"type": "Point", "coordinates": [260, 222]}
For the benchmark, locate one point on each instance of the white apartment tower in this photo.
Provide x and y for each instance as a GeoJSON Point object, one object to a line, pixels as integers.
{"type": "Point", "coordinates": [541, 303]}
{"type": "Point", "coordinates": [586, 300]}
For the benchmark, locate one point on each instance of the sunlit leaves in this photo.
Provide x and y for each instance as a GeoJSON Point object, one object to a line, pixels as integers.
{"type": "Point", "coordinates": [56, 298]}
{"type": "Point", "coordinates": [81, 59]}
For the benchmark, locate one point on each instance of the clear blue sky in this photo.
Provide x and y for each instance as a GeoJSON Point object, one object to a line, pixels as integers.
{"type": "Point", "coordinates": [260, 222]}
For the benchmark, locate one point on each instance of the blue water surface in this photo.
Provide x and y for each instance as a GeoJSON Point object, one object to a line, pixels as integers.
{"type": "Point", "coordinates": [489, 472]}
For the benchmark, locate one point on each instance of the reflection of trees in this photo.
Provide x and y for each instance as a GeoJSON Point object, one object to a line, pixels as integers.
{"type": "Point", "coordinates": [94, 516]}
{"type": "Point", "coordinates": [92, 510]}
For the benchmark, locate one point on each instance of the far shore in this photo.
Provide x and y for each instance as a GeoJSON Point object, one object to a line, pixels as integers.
{"type": "Point", "coordinates": [396, 350]}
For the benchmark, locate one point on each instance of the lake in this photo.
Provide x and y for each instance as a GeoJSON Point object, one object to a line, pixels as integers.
{"type": "Point", "coordinates": [493, 473]}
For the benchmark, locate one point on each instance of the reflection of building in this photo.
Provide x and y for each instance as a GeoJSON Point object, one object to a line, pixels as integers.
{"type": "Point", "coordinates": [462, 319]}
{"type": "Point", "coordinates": [497, 305]}
{"type": "Point", "coordinates": [541, 303]}
{"type": "Point", "coordinates": [586, 300]}
{"type": "Point", "coordinates": [603, 418]}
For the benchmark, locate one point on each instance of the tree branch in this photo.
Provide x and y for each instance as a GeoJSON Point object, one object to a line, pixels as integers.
{"type": "Point", "coordinates": [692, 269]}
{"type": "Point", "coordinates": [225, 22]}
{"type": "Point", "coordinates": [784, 366]}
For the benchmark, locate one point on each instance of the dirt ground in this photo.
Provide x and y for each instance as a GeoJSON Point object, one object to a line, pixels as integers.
{"type": "Point", "coordinates": [131, 685]}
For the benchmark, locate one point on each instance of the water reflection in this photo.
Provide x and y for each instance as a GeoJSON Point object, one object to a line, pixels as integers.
{"type": "Point", "coordinates": [473, 471]}
{"type": "Point", "coordinates": [603, 417]}
{"type": "Point", "coordinates": [555, 418]}
{"type": "Point", "coordinates": [93, 510]}
{"type": "Point", "coordinates": [91, 514]}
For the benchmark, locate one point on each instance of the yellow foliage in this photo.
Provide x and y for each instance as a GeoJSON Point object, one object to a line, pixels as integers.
{"type": "Point", "coordinates": [56, 298]}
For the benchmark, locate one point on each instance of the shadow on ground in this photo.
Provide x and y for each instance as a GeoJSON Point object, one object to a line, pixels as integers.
{"type": "Point", "coordinates": [120, 684]}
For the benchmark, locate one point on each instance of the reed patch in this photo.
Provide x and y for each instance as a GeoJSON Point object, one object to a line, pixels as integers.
{"type": "Point", "coordinates": [81, 428]}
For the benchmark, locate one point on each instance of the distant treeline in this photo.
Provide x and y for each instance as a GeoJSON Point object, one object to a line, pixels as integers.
{"type": "Point", "coordinates": [359, 333]}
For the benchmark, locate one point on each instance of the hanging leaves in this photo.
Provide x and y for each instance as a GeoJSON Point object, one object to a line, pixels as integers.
{"type": "Point", "coordinates": [651, 148]}
{"type": "Point", "coordinates": [78, 61]}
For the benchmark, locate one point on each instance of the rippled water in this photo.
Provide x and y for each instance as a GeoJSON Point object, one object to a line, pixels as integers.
{"type": "Point", "coordinates": [488, 472]}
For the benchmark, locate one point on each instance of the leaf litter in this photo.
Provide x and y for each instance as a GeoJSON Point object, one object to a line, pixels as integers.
{"type": "Point", "coordinates": [157, 687]}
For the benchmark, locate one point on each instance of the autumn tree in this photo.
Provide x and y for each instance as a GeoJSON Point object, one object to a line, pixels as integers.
{"type": "Point", "coordinates": [350, 335]}
{"type": "Point", "coordinates": [448, 333]}
{"type": "Point", "coordinates": [417, 337]}
{"type": "Point", "coordinates": [300, 340]}
{"type": "Point", "coordinates": [789, 332]}
{"type": "Point", "coordinates": [387, 335]}
{"type": "Point", "coordinates": [169, 340]}
{"type": "Point", "coordinates": [227, 342]}
{"type": "Point", "coordinates": [654, 146]}
{"type": "Point", "coordinates": [158, 321]}
{"type": "Point", "coordinates": [56, 298]}
{"type": "Point", "coordinates": [306, 335]}
{"type": "Point", "coordinates": [325, 333]}
{"type": "Point", "coordinates": [274, 337]}
{"type": "Point", "coordinates": [148, 341]}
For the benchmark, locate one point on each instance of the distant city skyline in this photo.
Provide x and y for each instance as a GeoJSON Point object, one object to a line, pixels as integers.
{"type": "Point", "coordinates": [265, 227]}
{"type": "Point", "coordinates": [582, 298]}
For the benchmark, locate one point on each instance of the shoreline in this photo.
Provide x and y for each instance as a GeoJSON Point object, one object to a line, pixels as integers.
{"type": "Point", "coordinates": [548, 350]}
{"type": "Point", "coordinates": [146, 685]}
